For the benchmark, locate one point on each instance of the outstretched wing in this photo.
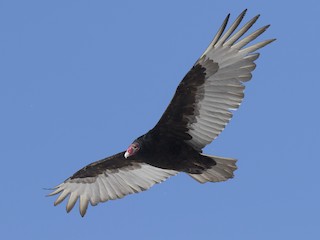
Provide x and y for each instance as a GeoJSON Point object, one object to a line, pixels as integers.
{"type": "Point", "coordinates": [108, 179]}
{"type": "Point", "coordinates": [202, 104]}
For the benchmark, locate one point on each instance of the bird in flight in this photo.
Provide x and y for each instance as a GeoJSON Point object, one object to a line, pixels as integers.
{"type": "Point", "coordinates": [199, 110]}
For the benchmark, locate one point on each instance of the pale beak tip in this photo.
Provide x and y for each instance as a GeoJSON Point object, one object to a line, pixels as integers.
{"type": "Point", "coordinates": [126, 154]}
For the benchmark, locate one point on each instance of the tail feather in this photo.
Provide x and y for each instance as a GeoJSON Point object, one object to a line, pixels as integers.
{"type": "Point", "coordinates": [222, 171]}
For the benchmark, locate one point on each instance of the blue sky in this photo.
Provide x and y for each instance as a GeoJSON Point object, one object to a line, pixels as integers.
{"type": "Point", "coordinates": [80, 80]}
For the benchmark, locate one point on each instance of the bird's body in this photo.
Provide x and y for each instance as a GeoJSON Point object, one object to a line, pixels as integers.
{"type": "Point", "coordinates": [168, 152]}
{"type": "Point", "coordinates": [198, 112]}
{"type": "Point", "coordinates": [173, 155]}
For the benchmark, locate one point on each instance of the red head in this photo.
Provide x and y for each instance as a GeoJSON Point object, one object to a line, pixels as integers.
{"type": "Point", "coordinates": [132, 150]}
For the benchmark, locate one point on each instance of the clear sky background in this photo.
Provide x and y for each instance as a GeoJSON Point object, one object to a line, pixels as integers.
{"type": "Point", "coordinates": [79, 80]}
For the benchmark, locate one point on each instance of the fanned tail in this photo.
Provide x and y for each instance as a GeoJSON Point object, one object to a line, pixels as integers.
{"type": "Point", "coordinates": [222, 171]}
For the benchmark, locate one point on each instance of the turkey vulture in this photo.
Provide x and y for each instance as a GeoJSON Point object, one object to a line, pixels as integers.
{"type": "Point", "coordinates": [199, 111]}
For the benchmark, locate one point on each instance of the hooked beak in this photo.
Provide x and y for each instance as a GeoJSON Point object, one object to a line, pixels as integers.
{"type": "Point", "coordinates": [132, 150]}
{"type": "Point", "coordinates": [129, 151]}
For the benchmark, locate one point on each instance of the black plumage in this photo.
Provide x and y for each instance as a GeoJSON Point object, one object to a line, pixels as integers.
{"type": "Point", "coordinates": [200, 109]}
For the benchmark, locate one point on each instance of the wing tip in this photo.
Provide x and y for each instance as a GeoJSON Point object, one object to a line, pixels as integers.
{"type": "Point", "coordinates": [55, 190]}
{"type": "Point", "coordinates": [244, 12]}
{"type": "Point", "coordinates": [272, 40]}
